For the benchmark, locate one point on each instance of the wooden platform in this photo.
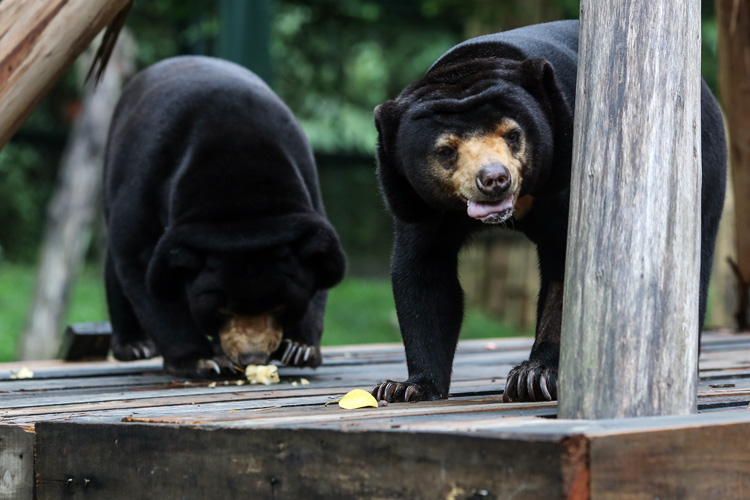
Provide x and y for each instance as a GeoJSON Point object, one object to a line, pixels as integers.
{"type": "Point", "coordinates": [115, 430]}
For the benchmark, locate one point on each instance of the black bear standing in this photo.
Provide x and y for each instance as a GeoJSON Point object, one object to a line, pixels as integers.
{"type": "Point", "coordinates": [485, 137]}
{"type": "Point", "coordinates": [215, 223]}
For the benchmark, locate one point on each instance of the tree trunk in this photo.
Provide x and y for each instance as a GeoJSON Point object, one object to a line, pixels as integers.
{"type": "Point", "coordinates": [39, 39]}
{"type": "Point", "coordinates": [630, 322]}
{"type": "Point", "coordinates": [722, 307]}
{"type": "Point", "coordinates": [734, 82]}
{"type": "Point", "coordinates": [74, 208]}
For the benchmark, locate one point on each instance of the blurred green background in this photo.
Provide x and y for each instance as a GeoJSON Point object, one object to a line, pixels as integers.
{"type": "Point", "coordinates": [332, 61]}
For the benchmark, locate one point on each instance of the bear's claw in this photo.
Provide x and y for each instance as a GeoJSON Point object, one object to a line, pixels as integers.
{"type": "Point", "coordinates": [131, 351]}
{"type": "Point", "coordinates": [394, 392]}
{"type": "Point", "coordinates": [298, 354]}
{"type": "Point", "coordinates": [531, 381]}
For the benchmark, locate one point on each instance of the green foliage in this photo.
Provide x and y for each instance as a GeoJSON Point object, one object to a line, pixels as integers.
{"type": "Point", "coordinates": [16, 286]}
{"type": "Point", "coordinates": [16, 282]}
{"type": "Point", "coordinates": [23, 191]}
{"type": "Point", "coordinates": [357, 211]}
{"type": "Point", "coordinates": [335, 61]}
{"type": "Point", "coordinates": [166, 28]}
{"type": "Point", "coordinates": [88, 300]}
{"type": "Point", "coordinates": [362, 311]}
{"type": "Point", "coordinates": [710, 54]}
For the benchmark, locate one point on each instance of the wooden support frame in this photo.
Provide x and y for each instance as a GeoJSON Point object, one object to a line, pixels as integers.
{"type": "Point", "coordinates": [38, 40]}
{"type": "Point", "coordinates": [622, 458]}
{"type": "Point", "coordinates": [630, 322]}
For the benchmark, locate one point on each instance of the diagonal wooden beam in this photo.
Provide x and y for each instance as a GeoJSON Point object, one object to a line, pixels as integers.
{"type": "Point", "coordinates": [39, 39]}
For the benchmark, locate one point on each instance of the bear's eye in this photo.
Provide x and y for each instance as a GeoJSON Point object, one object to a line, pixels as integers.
{"type": "Point", "coordinates": [446, 152]}
{"type": "Point", "coordinates": [513, 136]}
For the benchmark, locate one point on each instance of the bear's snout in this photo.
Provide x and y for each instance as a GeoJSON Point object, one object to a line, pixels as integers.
{"type": "Point", "coordinates": [253, 358]}
{"type": "Point", "coordinates": [493, 180]}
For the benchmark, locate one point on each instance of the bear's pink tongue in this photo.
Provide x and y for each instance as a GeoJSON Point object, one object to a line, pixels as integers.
{"type": "Point", "coordinates": [490, 212]}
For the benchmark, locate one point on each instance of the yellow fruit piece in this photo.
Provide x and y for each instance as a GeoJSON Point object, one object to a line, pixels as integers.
{"type": "Point", "coordinates": [357, 399]}
{"type": "Point", "coordinates": [24, 372]}
{"type": "Point", "coordinates": [262, 374]}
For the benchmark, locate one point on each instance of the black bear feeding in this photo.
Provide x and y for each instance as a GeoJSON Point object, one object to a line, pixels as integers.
{"type": "Point", "coordinates": [215, 222]}
{"type": "Point", "coordinates": [485, 137]}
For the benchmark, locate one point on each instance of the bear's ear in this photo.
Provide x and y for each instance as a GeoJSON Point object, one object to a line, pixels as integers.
{"type": "Point", "coordinates": [166, 268]}
{"type": "Point", "coordinates": [400, 197]}
{"type": "Point", "coordinates": [322, 252]}
{"type": "Point", "coordinates": [387, 117]}
{"type": "Point", "coordinates": [539, 79]}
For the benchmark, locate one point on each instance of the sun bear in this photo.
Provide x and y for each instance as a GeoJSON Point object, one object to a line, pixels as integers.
{"type": "Point", "coordinates": [485, 138]}
{"type": "Point", "coordinates": [216, 226]}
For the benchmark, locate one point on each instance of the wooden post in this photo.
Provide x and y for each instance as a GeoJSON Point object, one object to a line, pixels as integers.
{"type": "Point", "coordinates": [734, 81]}
{"type": "Point", "coordinates": [630, 321]}
{"type": "Point", "coordinates": [39, 39]}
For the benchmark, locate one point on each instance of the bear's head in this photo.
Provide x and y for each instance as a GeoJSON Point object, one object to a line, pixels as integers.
{"type": "Point", "coordinates": [247, 286]}
{"type": "Point", "coordinates": [477, 135]}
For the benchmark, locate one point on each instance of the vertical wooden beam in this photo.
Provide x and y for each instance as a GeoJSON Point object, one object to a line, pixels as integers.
{"type": "Point", "coordinates": [39, 39]}
{"type": "Point", "coordinates": [734, 81]}
{"type": "Point", "coordinates": [630, 321]}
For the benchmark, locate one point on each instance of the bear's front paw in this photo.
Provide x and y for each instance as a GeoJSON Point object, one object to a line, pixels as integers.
{"type": "Point", "coordinates": [200, 368]}
{"type": "Point", "coordinates": [131, 351]}
{"type": "Point", "coordinates": [531, 381]}
{"type": "Point", "coordinates": [399, 392]}
{"type": "Point", "coordinates": [298, 354]}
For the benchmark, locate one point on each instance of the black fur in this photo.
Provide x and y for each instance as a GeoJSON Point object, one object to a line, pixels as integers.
{"type": "Point", "coordinates": [529, 75]}
{"type": "Point", "coordinates": [212, 203]}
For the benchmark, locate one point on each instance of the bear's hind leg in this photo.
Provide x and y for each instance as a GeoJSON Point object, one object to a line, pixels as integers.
{"type": "Point", "coordinates": [129, 340]}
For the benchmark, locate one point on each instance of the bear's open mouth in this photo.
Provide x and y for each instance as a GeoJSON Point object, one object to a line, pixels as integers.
{"type": "Point", "coordinates": [495, 212]}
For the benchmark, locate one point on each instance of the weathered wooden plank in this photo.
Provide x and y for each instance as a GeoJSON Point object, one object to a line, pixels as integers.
{"type": "Point", "coordinates": [472, 354]}
{"type": "Point", "coordinates": [333, 416]}
{"type": "Point", "coordinates": [16, 388]}
{"type": "Point", "coordinates": [16, 463]}
{"type": "Point", "coordinates": [622, 426]}
{"type": "Point", "coordinates": [689, 463]}
{"type": "Point", "coordinates": [63, 369]}
{"type": "Point", "coordinates": [633, 254]}
{"type": "Point", "coordinates": [279, 463]}
{"type": "Point", "coordinates": [303, 404]}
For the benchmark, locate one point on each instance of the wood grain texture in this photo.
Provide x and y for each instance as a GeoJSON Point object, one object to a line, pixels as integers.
{"type": "Point", "coordinates": [281, 464]}
{"type": "Point", "coordinates": [630, 322]}
{"type": "Point", "coordinates": [38, 40]}
{"type": "Point", "coordinates": [691, 463]}
{"type": "Point", "coordinates": [734, 81]}
{"type": "Point", "coordinates": [16, 463]}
